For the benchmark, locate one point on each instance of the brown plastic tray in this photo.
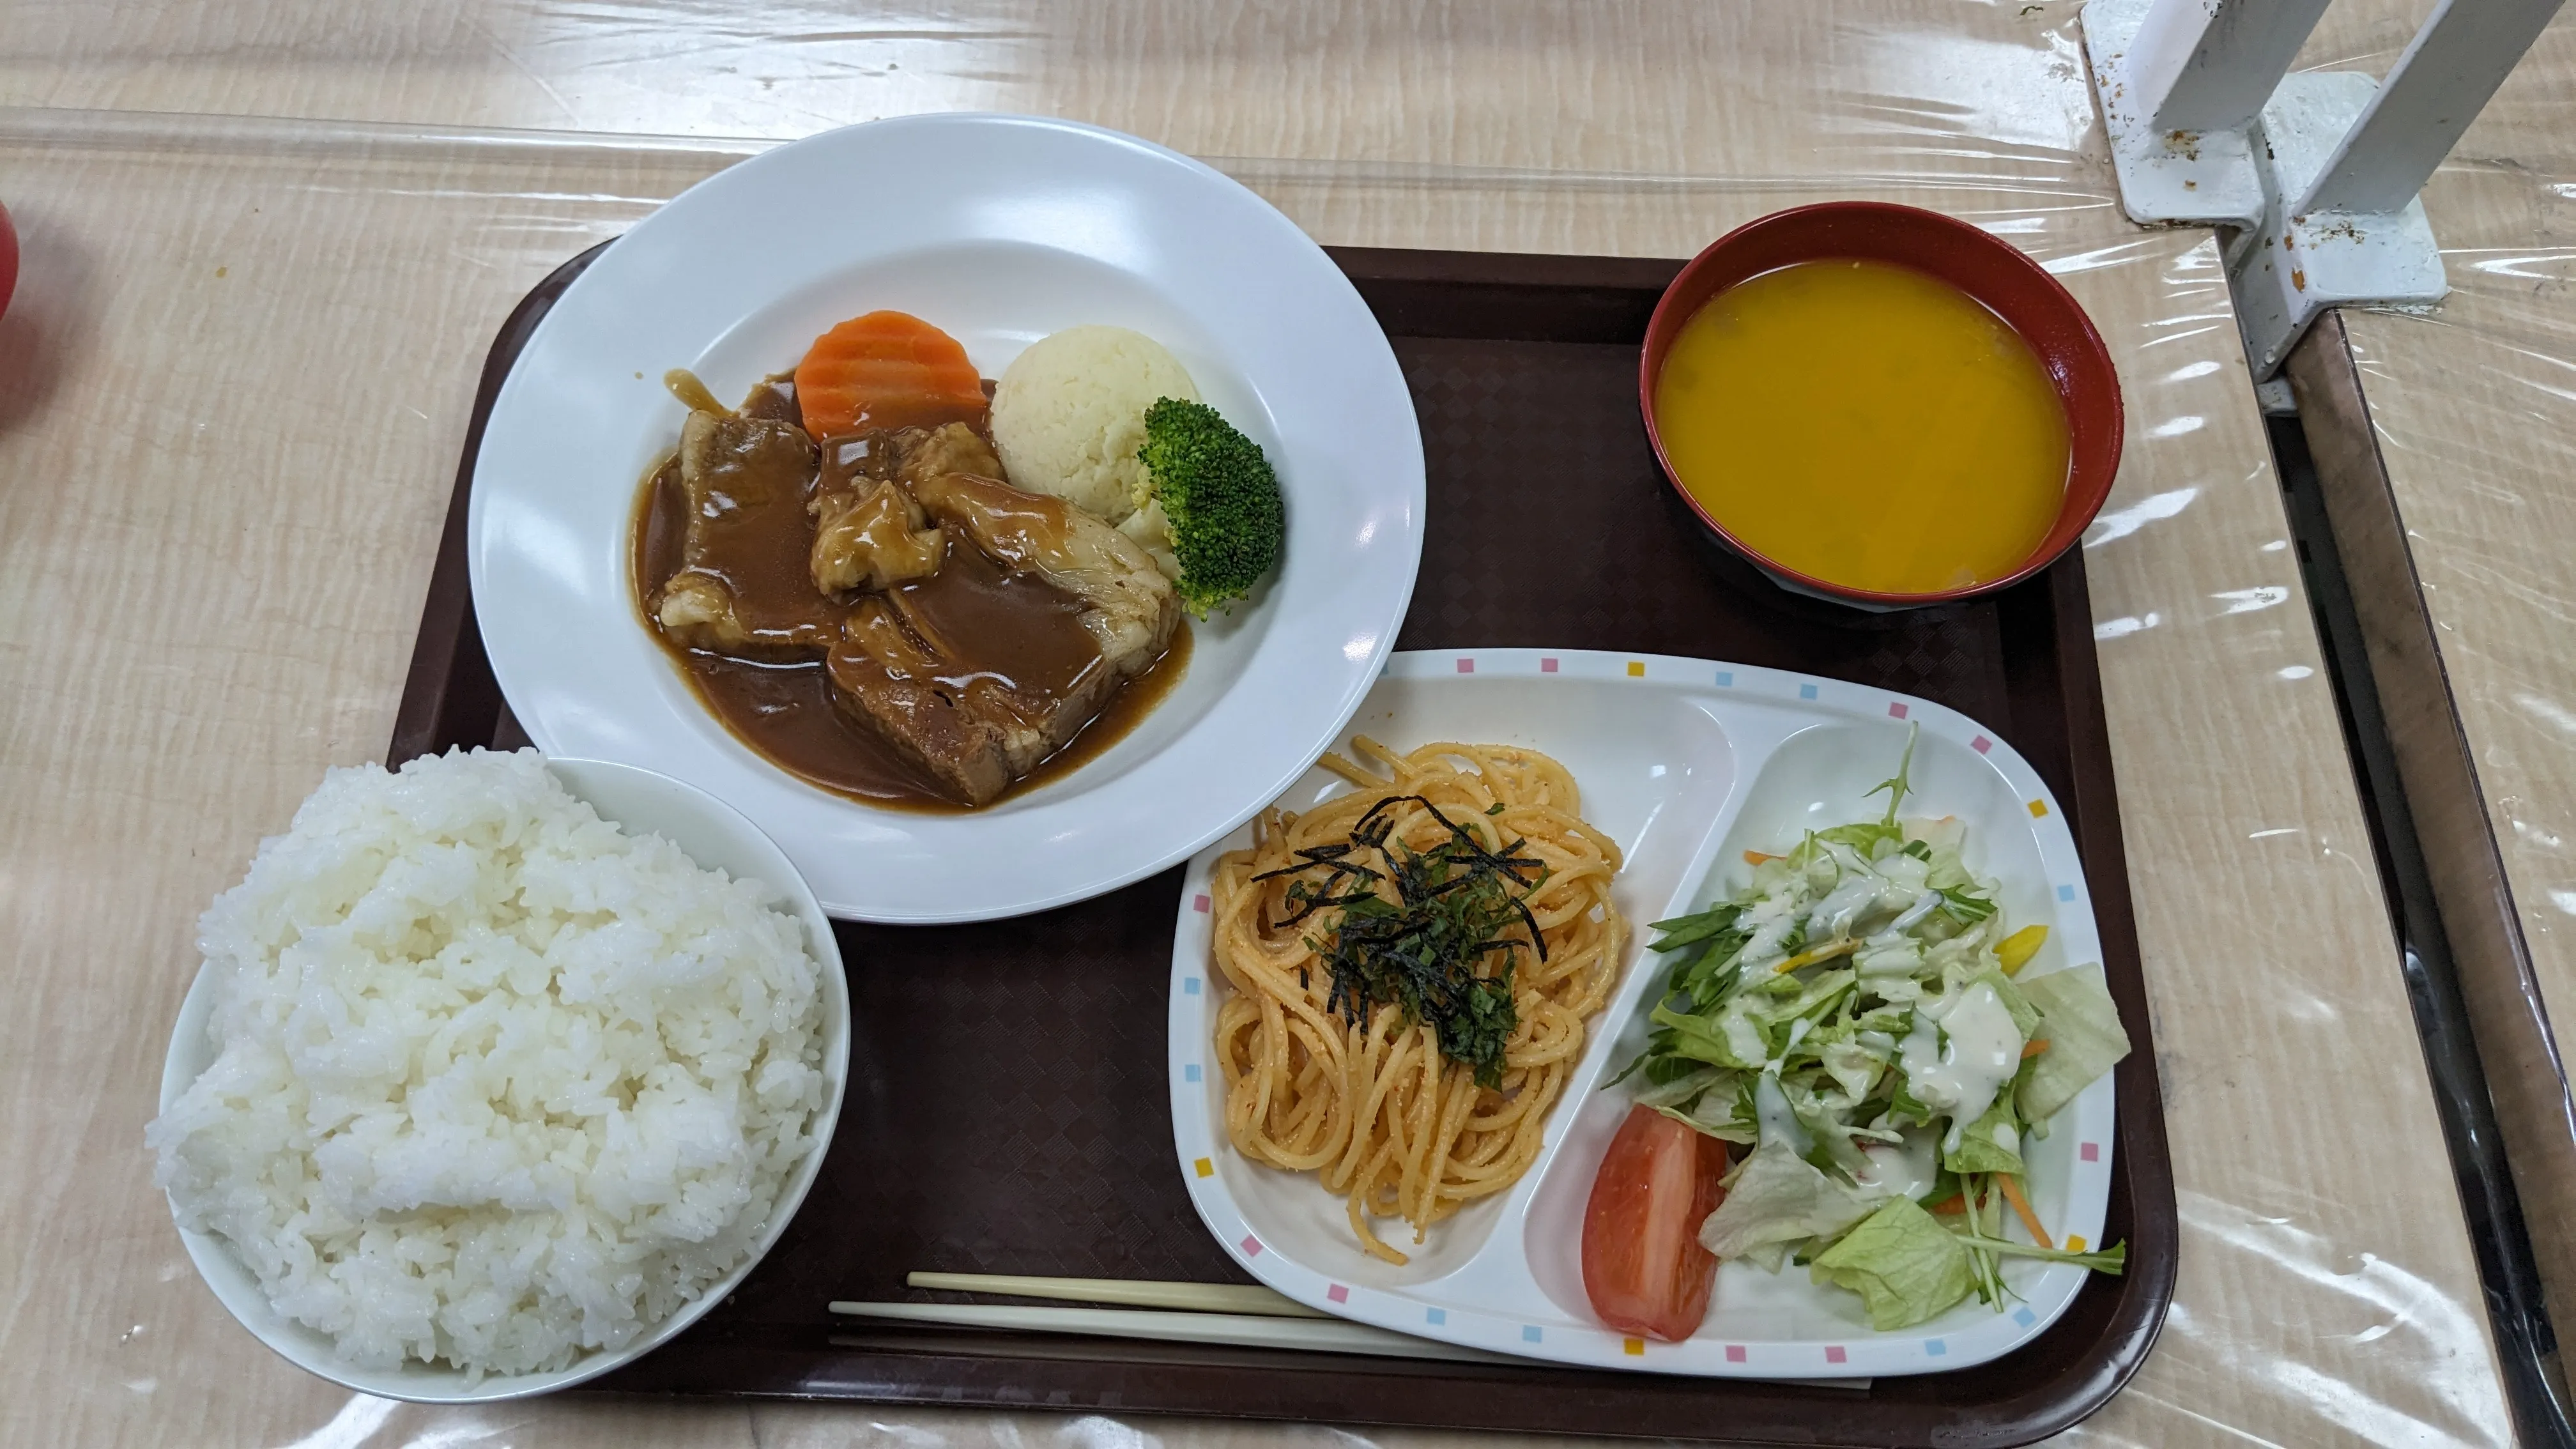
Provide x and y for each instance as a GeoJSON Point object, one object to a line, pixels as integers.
{"type": "Point", "coordinates": [1008, 1112]}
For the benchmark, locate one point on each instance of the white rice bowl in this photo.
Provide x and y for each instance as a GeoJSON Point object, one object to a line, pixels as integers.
{"type": "Point", "coordinates": [495, 1082]}
{"type": "Point", "coordinates": [1069, 414]}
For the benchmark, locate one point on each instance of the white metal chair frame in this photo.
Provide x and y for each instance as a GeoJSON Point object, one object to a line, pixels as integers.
{"type": "Point", "coordinates": [2313, 177]}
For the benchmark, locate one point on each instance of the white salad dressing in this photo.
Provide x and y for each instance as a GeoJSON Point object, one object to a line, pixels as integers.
{"type": "Point", "coordinates": [1742, 1037]}
{"type": "Point", "coordinates": [1779, 1123]}
{"type": "Point", "coordinates": [1960, 1053]}
{"type": "Point", "coordinates": [1901, 1169]}
{"type": "Point", "coordinates": [1776, 1119]}
{"type": "Point", "coordinates": [1895, 956]}
{"type": "Point", "coordinates": [1908, 919]}
{"type": "Point", "coordinates": [1797, 1034]}
{"type": "Point", "coordinates": [1833, 915]}
{"type": "Point", "coordinates": [1767, 924]}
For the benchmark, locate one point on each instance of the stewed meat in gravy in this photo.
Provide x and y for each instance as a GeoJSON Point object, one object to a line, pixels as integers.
{"type": "Point", "coordinates": [742, 586]}
{"type": "Point", "coordinates": [885, 617]}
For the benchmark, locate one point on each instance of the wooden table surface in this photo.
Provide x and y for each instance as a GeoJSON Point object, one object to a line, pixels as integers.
{"type": "Point", "coordinates": [237, 374]}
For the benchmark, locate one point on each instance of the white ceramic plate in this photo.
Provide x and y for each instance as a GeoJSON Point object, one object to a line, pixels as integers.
{"type": "Point", "coordinates": [999, 229]}
{"type": "Point", "coordinates": [1687, 764]}
{"type": "Point", "coordinates": [715, 836]}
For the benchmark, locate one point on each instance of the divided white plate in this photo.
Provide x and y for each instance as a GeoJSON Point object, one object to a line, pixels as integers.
{"type": "Point", "coordinates": [999, 229]}
{"type": "Point", "coordinates": [1687, 764]}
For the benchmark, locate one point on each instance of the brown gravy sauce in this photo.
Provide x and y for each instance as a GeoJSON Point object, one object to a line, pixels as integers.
{"type": "Point", "coordinates": [785, 713]}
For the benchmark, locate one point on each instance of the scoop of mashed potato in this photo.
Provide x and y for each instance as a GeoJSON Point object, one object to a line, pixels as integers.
{"type": "Point", "coordinates": [1069, 415]}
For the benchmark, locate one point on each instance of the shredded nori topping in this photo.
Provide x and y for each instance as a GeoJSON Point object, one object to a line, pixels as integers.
{"type": "Point", "coordinates": [1441, 948]}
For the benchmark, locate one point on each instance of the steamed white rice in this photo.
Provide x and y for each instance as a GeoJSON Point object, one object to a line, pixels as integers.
{"type": "Point", "coordinates": [499, 1083]}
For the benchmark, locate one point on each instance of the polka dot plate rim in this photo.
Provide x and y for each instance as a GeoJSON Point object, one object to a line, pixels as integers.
{"type": "Point", "coordinates": [1684, 762]}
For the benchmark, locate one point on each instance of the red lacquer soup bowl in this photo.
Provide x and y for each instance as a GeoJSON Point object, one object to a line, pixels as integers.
{"type": "Point", "coordinates": [2009, 284]}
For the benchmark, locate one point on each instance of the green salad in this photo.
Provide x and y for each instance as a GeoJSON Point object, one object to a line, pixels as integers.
{"type": "Point", "coordinates": [1857, 1017]}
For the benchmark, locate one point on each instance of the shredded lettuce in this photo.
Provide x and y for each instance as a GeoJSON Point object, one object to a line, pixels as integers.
{"type": "Point", "coordinates": [1905, 1266]}
{"type": "Point", "coordinates": [1992, 1143]}
{"type": "Point", "coordinates": [2082, 1028]}
{"type": "Point", "coordinates": [2016, 1000]}
{"type": "Point", "coordinates": [1778, 1199]}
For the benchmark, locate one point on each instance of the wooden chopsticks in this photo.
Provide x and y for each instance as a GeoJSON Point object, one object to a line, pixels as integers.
{"type": "Point", "coordinates": [1234, 1314]}
{"type": "Point", "coordinates": [1238, 1315]}
{"type": "Point", "coordinates": [1126, 1292]}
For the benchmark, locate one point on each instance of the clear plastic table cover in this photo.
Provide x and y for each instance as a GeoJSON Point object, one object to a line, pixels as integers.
{"type": "Point", "coordinates": [2474, 407]}
{"type": "Point", "coordinates": [239, 366]}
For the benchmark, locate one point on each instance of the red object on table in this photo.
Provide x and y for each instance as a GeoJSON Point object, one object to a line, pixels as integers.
{"type": "Point", "coordinates": [1643, 1266]}
{"type": "Point", "coordinates": [8, 260]}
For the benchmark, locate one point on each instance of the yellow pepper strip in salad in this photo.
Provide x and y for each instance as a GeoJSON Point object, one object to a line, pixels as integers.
{"type": "Point", "coordinates": [2015, 950]}
{"type": "Point", "coordinates": [1825, 952]}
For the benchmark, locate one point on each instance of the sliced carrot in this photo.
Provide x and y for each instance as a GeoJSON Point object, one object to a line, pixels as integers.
{"type": "Point", "coordinates": [2033, 1048]}
{"type": "Point", "coordinates": [2021, 1205]}
{"type": "Point", "coordinates": [1953, 1206]}
{"type": "Point", "coordinates": [886, 370]}
{"type": "Point", "coordinates": [1755, 857]}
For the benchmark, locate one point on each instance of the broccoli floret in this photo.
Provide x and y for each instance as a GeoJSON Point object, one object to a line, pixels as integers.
{"type": "Point", "coordinates": [1220, 500]}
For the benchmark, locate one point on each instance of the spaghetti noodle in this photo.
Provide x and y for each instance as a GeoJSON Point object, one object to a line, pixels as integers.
{"type": "Point", "coordinates": [1324, 1076]}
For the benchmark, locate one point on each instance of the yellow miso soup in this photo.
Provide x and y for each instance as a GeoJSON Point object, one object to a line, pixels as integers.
{"type": "Point", "coordinates": [1865, 424]}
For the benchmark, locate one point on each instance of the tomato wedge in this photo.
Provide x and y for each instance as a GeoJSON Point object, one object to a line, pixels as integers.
{"type": "Point", "coordinates": [886, 370]}
{"type": "Point", "coordinates": [1642, 1262]}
